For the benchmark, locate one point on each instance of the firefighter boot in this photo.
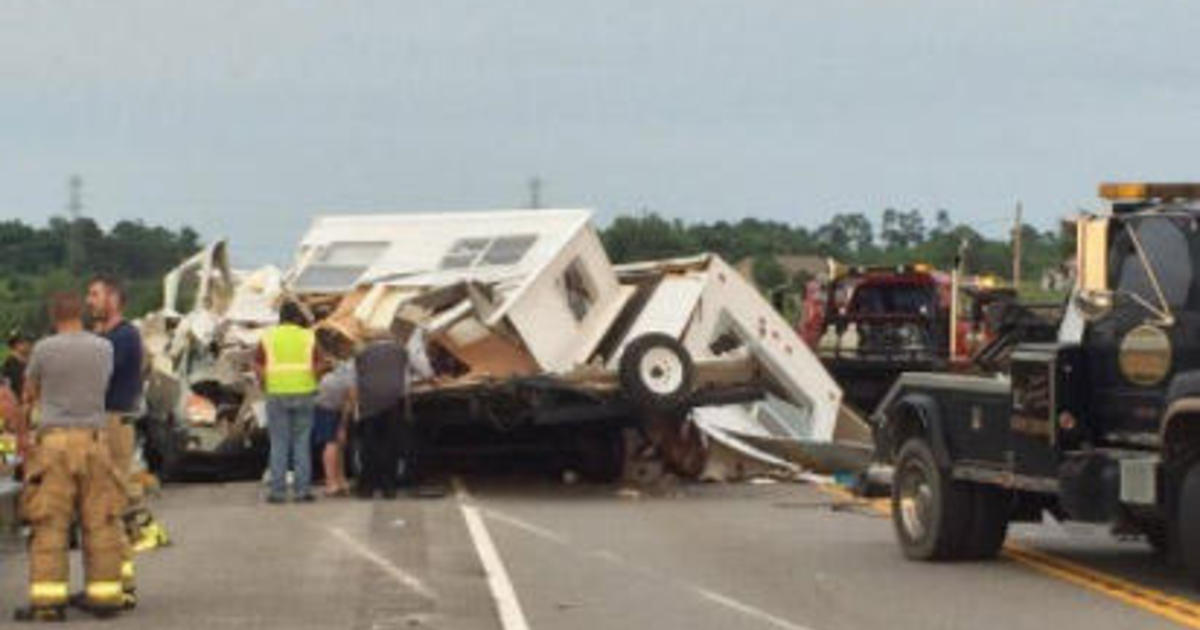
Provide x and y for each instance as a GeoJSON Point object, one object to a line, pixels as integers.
{"type": "Point", "coordinates": [128, 585]}
{"type": "Point", "coordinates": [151, 535]}
{"type": "Point", "coordinates": [40, 613]}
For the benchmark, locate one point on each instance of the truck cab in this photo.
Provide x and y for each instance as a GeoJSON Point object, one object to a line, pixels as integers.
{"type": "Point", "coordinates": [1102, 425]}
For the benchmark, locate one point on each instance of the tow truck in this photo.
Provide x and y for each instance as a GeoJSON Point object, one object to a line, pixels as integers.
{"type": "Point", "coordinates": [1101, 425]}
{"type": "Point", "coordinates": [870, 323]}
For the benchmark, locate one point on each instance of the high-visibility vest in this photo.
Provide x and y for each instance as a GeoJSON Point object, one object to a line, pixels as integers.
{"type": "Point", "coordinates": [289, 350]}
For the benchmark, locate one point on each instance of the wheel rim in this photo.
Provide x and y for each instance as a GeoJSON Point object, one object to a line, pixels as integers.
{"type": "Point", "coordinates": [661, 371]}
{"type": "Point", "coordinates": [915, 502]}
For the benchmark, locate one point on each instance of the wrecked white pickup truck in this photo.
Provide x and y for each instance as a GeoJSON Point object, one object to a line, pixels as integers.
{"type": "Point", "coordinates": [204, 409]}
{"type": "Point", "coordinates": [536, 342]}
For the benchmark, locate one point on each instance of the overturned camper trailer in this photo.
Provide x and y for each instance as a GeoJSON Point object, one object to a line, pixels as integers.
{"type": "Point", "coordinates": [537, 341]}
{"type": "Point", "coordinates": [528, 339]}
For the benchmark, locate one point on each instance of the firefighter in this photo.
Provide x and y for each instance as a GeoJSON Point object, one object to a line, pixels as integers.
{"type": "Point", "coordinates": [70, 474]}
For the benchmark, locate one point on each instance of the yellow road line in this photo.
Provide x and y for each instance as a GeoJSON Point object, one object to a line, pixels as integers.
{"type": "Point", "coordinates": [1178, 609]}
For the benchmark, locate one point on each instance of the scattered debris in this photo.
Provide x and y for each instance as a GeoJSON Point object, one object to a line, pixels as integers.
{"type": "Point", "coordinates": [629, 493]}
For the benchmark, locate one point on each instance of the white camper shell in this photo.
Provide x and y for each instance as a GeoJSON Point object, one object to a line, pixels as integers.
{"type": "Point", "coordinates": [515, 297]}
{"type": "Point", "coordinates": [550, 280]}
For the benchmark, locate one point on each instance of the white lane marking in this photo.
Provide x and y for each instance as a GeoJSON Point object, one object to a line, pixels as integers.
{"type": "Point", "coordinates": [400, 575]}
{"type": "Point", "coordinates": [536, 530]}
{"type": "Point", "coordinates": [605, 555]}
{"type": "Point", "coordinates": [746, 609]}
{"type": "Point", "coordinates": [507, 604]}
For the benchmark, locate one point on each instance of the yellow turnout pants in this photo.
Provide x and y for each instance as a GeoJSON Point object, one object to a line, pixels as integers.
{"type": "Point", "coordinates": [121, 442]}
{"type": "Point", "coordinates": [70, 473]}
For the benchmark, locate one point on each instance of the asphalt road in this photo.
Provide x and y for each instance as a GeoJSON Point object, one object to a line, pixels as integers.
{"type": "Point", "coordinates": [783, 556]}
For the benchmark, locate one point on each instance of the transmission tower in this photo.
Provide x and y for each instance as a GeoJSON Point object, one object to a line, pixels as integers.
{"type": "Point", "coordinates": [535, 193]}
{"type": "Point", "coordinates": [75, 251]}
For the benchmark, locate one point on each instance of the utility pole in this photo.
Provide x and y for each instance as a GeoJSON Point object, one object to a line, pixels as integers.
{"type": "Point", "coordinates": [1016, 249]}
{"type": "Point", "coordinates": [74, 213]}
{"type": "Point", "coordinates": [535, 193]}
{"type": "Point", "coordinates": [955, 281]}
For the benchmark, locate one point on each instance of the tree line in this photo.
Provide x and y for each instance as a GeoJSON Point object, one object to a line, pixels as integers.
{"type": "Point", "coordinates": [62, 255]}
{"type": "Point", "coordinates": [852, 238]}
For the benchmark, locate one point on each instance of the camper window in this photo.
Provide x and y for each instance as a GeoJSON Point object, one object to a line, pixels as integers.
{"type": "Point", "coordinates": [463, 253]}
{"type": "Point", "coordinates": [317, 278]}
{"type": "Point", "coordinates": [508, 250]}
{"type": "Point", "coordinates": [339, 265]}
{"type": "Point", "coordinates": [578, 292]}
{"type": "Point", "coordinates": [348, 253]}
{"type": "Point", "coordinates": [473, 252]}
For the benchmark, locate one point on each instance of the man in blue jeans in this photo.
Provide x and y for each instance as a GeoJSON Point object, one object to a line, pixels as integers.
{"type": "Point", "coordinates": [289, 365]}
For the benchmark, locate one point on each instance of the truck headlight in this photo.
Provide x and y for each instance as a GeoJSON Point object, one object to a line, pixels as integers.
{"type": "Point", "coordinates": [1145, 355]}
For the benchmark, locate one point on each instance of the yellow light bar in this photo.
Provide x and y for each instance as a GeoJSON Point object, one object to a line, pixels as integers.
{"type": "Point", "coordinates": [1122, 191]}
{"type": "Point", "coordinates": [1136, 191]}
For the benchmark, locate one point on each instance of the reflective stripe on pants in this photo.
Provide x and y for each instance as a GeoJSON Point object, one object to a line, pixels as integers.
{"type": "Point", "coordinates": [69, 468]}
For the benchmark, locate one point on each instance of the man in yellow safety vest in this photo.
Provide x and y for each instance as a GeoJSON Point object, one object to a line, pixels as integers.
{"type": "Point", "coordinates": [289, 364]}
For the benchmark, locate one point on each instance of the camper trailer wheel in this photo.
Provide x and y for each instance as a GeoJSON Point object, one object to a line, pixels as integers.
{"type": "Point", "coordinates": [656, 372]}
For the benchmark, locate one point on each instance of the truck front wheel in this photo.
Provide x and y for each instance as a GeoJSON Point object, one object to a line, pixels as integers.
{"type": "Point", "coordinates": [930, 511]}
{"type": "Point", "coordinates": [989, 521]}
{"type": "Point", "coordinates": [1188, 523]}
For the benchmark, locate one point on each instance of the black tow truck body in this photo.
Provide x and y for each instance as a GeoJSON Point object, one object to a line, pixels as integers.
{"type": "Point", "coordinates": [1100, 426]}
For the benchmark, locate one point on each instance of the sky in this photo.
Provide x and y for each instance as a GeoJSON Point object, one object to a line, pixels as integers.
{"type": "Point", "coordinates": [243, 119]}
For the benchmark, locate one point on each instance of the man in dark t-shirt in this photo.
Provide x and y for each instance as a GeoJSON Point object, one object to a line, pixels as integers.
{"type": "Point", "coordinates": [381, 368]}
{"type": "Point", "coordinates": [124, 393]}
{"type": "Point", "coordinates": [106, 302]}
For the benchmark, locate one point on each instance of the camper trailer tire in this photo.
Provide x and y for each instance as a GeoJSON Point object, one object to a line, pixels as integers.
{"type": "Point", "coordinates": [656, 372]}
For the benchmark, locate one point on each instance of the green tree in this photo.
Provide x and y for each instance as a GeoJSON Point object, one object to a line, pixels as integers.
{"type": "Point", "coordinates": [33, 263]}
{"type": "Point", "coordinates": [768, 273]}
{"type": "Point", "coordinates": [850, 237]}
{"type": "Point", "coordinates": [649, 236]}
